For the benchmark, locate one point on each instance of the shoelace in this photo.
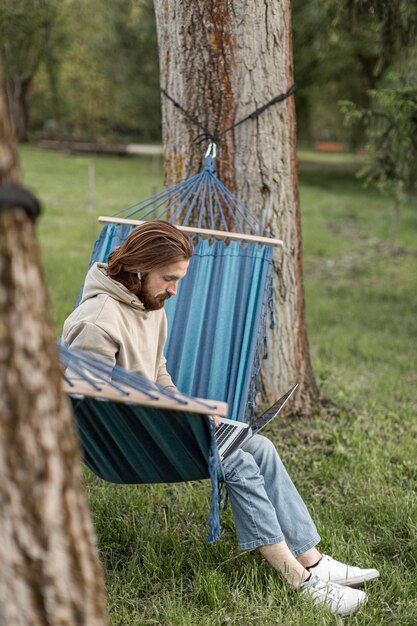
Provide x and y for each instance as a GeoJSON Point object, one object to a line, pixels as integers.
{"type": "Point", "coordinates": [331, 560]}
{"type": "Point", "coordinates": [345, 566]}
{"type": "Point", "coordinates": [332, 591]}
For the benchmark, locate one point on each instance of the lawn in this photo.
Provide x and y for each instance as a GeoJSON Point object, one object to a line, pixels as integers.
{"type": "Point", "coordinates": [355, 464]}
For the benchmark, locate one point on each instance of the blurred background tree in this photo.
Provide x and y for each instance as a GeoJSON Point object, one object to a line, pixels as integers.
{"type": "Point", "coordinates": [335, 56]}
{"type": "Point", "coordinates": [342, 50]}
{"type": "Point", "coordinates": [109, 77]}
{"type": "Point", "coordinates": [31, 35]}
{"type": "Point", "coordinates": [388, 122]}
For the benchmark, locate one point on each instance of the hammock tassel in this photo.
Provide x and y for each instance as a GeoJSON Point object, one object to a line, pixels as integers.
{"type": "Point", "coordinates": [216, 475]}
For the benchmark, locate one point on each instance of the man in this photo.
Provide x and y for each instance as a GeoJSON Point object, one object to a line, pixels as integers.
{"type": "Point", "coordinates": [121, 318]}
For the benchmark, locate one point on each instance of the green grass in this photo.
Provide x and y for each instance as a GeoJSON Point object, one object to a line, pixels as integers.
{"type": "Point", "coordinates": [327, 159]}
{"type": "Point", "coordinates": [355, 465]}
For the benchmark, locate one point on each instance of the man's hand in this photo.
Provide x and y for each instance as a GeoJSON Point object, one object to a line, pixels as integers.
{"type": "Point", "coordinates": [216, 420]}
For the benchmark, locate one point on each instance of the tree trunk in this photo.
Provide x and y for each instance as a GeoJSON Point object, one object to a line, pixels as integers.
{"type": "Point", "coordinates": [17, 93]}
{"type": "Point", "coordinates": [49, 573]}
{"type": "Point", "coordinates": [221, 60]}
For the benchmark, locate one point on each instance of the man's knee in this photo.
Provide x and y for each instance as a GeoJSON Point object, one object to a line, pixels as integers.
{"type": "Point", "coordinates": [260, 446]}
{"type": "Point", "coordinates": [239, 465]}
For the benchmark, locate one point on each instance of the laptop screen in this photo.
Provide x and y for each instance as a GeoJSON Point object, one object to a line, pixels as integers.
{"type": "Point", "coordinates": [261, 421]}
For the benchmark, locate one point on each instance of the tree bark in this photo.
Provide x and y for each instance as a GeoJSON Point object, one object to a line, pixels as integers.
{"type": "Point", "coordinates": [17, 92]}
{"type": "Point", "coordinates": [49, 573]}
{"type": "Point", "coordinates": [221, 60]}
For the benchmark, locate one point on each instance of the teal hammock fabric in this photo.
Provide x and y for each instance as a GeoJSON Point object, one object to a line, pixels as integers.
{"type": "Point", "coordinates": [131, 444]}
{"type": "Point", "coordinates": [216, 323]}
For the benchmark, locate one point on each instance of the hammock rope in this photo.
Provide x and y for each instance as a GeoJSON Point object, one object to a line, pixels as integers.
{"type": "Point", "coordinates": [89, 368]}
{"type": "Point", "coordinates": [252, 116]}
{"type": "Point", "coordinates": [199, 199]}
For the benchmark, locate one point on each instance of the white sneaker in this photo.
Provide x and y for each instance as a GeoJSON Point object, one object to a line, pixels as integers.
{"type": "Point", "coordinates": [340, 600]}
{"type": "Point", "coordinates": [330, 570]}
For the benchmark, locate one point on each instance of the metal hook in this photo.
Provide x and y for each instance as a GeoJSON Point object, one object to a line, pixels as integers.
{"type": "Point", "coordinates": [211, 150]}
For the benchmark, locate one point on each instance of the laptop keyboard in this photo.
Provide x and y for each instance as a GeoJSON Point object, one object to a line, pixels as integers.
{"type": "Point", "coordinates": [224, 432]}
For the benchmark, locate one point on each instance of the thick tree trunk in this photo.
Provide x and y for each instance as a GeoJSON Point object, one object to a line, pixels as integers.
{"type": "Point", "coordinates": [49, 573]}
{"type": "Point", "coordinates": [221, 60]}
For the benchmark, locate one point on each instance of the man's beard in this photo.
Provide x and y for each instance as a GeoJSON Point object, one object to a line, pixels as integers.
{"type": "Point", "coordinates": [151, 303]}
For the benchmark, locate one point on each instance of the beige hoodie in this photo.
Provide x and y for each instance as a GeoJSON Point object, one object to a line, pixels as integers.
{"type": "Point", "coordinates": [112, 323]}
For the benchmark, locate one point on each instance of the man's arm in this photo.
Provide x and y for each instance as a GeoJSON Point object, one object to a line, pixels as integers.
{"type": "Point", "coordinates": [163, 378]}
{"type": "Point", "coordinates": [93, 339]}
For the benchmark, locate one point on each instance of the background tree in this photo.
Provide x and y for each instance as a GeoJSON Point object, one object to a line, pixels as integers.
{"type": "Point", "coordinates": [98, 78]}
{"type": "Point", "coordinates": [133, 69]}
{"type": "Point", "coordinates": [342, 50]}
{"type": "Point", "coordinates": [29, 35]}
{"type": "Point", "coordinates": [222, 60]}
{"type": "Point", "coordinates": [390, 125]}
{"type": "Point", "coordinates": [389, 120]}
{"type": "Point", "coordinates": [49, 569]}
{"type": "Point", "coordinates": [108, 80]}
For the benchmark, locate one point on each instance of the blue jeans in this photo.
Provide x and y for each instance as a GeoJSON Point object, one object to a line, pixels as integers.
{"type": "Point", "coordinates": [267, 507]}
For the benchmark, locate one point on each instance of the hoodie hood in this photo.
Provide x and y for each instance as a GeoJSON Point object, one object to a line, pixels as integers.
{"type": "Point", "coordinates": [98, 283]}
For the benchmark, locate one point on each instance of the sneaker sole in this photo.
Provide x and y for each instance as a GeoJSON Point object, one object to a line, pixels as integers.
{"type": "Point", "coordinates": [358, 581]}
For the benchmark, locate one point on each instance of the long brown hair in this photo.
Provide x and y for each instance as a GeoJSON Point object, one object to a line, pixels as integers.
{"type": "Point", "coordinates": [150, 245]}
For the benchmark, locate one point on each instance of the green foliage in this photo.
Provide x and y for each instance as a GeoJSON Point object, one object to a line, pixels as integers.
{"type": "Point", "coordinates": [109, 77]}
{"type": "Point", "coordinates": [389, 120]}
{"type": "Point", "coordinates": [28, 36]}
{"type": "Point", "coordinates": [354, 466]}
{"type": "Point", "coordinates": [134, 68]}
{"type": "Point", "coordinates": [343, 50]}
{"type": "Point", "coordinates": [96, 72]}
{"type": "Point", "coordinates": [31, 36]}
{"type": "Point", "coordinates": [390, 125]}
{"type": "Point", "coordinates": [396, 19]}
{"type": "Point", "coordinates": [335, 57]}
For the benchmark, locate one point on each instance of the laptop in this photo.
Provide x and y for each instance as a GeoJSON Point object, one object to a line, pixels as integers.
{"type": "Point", "coordinates": [231, 434]}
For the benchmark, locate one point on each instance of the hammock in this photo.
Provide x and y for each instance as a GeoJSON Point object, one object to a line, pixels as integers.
{"type": "Point", "coordinates": [216, 332]}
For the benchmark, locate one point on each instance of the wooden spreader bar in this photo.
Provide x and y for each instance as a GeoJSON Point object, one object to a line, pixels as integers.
{"type": "Point", "coordinates": [106, 392]}
{"type": "Point", "coordinates": [203, 232]}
